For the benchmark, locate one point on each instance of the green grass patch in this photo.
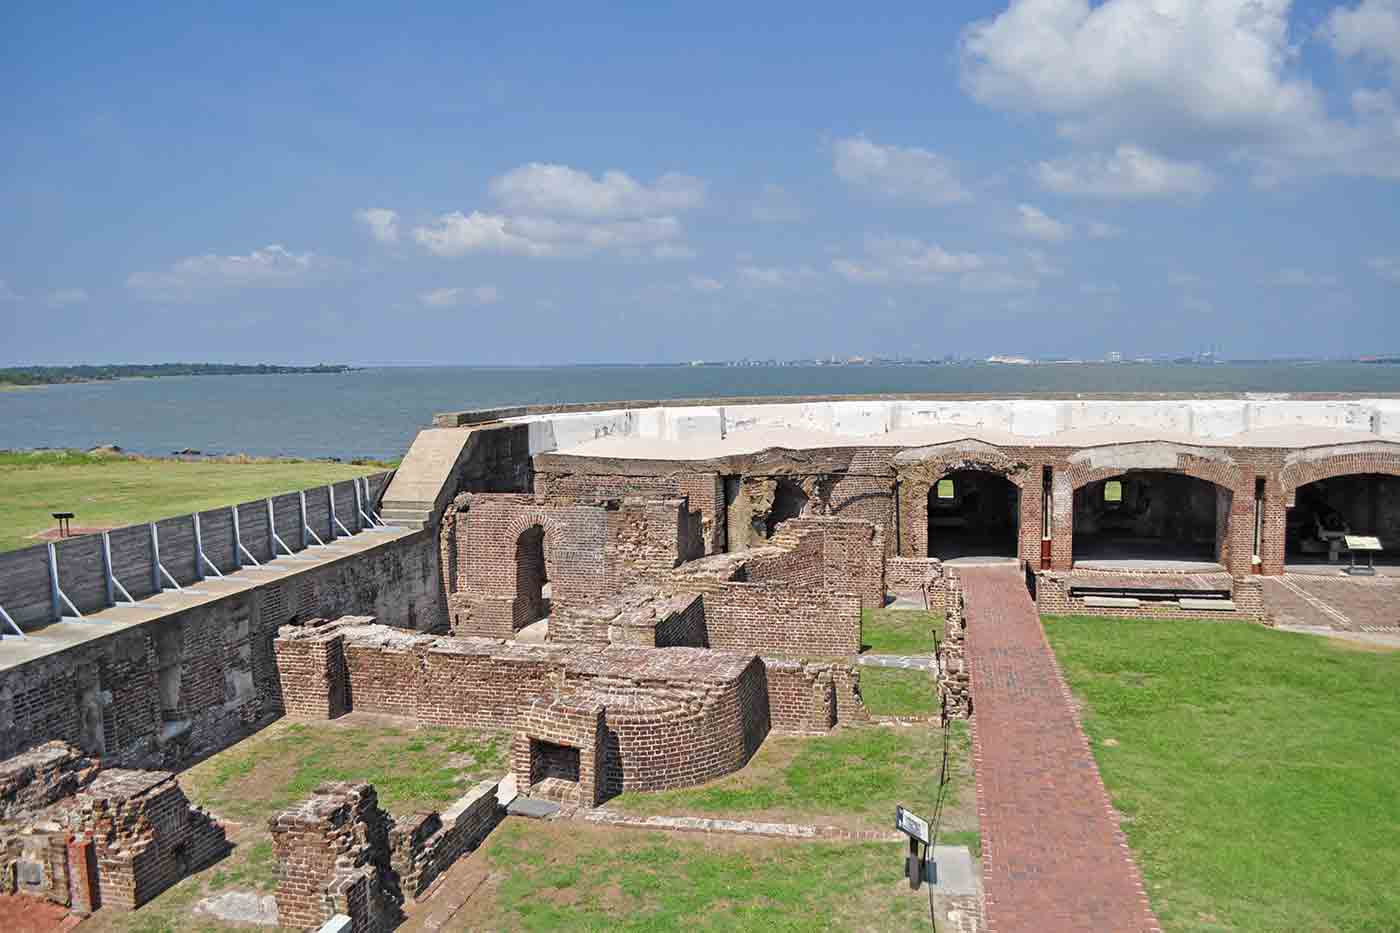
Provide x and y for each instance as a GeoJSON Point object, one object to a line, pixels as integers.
{"type": "Point", "coordinates": [111, 491]}
{"type": "Point", "coordinates": [893, 691]}
{"type": "Point", "coordinates": [1258, 771]}
{"type": "Point", "coordinates": [584, 878]}
{"type": "Point", "coordinates": [900, 631]}
{"type": "Point", "coordinates": [411, 770]}
{"type": "Point", "coordinates": [852, 777]}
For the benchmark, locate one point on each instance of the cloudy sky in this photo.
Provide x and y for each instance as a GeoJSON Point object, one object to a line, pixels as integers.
{"type": "Point", "coordinates": [552, 183]}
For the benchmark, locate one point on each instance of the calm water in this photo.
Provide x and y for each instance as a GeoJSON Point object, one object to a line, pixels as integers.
{"type": "Point", "coordinates": [376, 412]}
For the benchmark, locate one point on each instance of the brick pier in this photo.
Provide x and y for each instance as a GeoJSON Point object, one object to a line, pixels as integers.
{"type": "Point", "coordinates": [1053, 857]}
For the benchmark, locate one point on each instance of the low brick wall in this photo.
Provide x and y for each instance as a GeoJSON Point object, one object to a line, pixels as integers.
{"type": "Point", "coordinates": [1052, 597]}
{"type": "Point", "coordinates": [425, 845]}
{"type": "Point", "coordinates": [917, 576]}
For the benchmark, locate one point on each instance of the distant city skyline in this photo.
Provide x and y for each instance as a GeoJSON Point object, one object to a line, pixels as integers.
{"type": "Point", "coordinates": [564, 184]}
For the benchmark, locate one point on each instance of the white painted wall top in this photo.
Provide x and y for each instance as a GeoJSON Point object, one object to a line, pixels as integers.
{"type": "Point", "coordinates": [698, 432]}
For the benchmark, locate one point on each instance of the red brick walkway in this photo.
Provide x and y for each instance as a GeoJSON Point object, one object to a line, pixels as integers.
{"type": "Point", "coordinates": [1053, 857]}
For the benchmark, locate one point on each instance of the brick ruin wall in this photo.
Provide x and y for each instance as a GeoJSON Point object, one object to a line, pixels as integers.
{"type": "Point", "coordinates": [591, 550]}
{"type": "Point", "coordinates": [1052, 597]}
{"type": "Point", "coordinates": [192, 682]}
{"type": "Point", "coordinates": [339, 852]}
{"type": "Point", "coordinates": [87, 838]}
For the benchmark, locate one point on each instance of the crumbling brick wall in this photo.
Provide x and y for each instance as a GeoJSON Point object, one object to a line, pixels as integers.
{"type": "Point", "coordinates": [145, 833]}
{"type": "Point", "coordinates": [954, 674]}
{"type": "Point", "coordinates": [426, 844]}
{"type": "Point", "coordinates": [333, 856]}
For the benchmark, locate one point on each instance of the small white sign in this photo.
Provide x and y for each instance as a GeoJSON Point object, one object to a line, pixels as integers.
{"type": "Point", "coordinates": [911, 825]}
{"type": "Point", "coordinates": [1362, 543]}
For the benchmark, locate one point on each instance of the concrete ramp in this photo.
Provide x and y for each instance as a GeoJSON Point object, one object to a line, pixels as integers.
{"type": "Point", "coordinates": [412, 497]}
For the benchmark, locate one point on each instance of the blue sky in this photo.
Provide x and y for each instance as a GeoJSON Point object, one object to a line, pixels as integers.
{"type": "Point", "coordinates": [536, 183]}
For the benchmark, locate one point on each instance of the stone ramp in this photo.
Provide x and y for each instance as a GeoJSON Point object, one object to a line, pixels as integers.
{"type": "Point", "coordinates": [412, 494]}
{"type": "Point", "coordinates": [1053, 857]}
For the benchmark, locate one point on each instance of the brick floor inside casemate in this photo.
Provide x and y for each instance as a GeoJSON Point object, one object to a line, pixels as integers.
{"type": "Point", "coordinates": [1053, 856]}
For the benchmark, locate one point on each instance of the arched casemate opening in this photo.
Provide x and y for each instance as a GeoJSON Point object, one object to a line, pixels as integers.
{"type": "Point", "coordinates": [531, 577]}
{"type": "Point", "coordinates": [1326, 511]}
{"type": "Point", "coordinates": [1151, 517]}
{"type": "Point", "coordinates": [973, 514]}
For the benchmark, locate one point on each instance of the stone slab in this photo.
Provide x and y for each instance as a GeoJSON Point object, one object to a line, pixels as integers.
{"type": "Point", "coordinates": [1207, 605]}
{"type": "Point", "coordinates": [956, 873]}
{"type": "Point", "coordinates": [533, 809]}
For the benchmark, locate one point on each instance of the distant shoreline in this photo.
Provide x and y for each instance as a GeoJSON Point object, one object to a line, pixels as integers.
{"type": "Point", "coordinates": [25, 377]}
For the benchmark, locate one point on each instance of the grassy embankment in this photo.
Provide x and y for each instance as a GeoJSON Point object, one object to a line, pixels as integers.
{"type": "Point", "coordinates": [108, 491]}
{"type": "Point", "coordinates": [1258, 771]}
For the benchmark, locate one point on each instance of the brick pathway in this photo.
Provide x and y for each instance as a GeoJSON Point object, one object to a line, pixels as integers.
{"type": "Point", "coordinates": [1053, 857]}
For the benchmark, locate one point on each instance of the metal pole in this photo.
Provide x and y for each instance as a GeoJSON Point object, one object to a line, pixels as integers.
{"type": "Point", "coordinates": [54, 604]}
{"type": "Point", "coordinates": [198, 549]}
{"type": "Point", "coordinates": [330, 502]}
{"type": "Point", "coordinates": [271, 532]}
{"type": "Point", "coordinates": [11, 623]}
{"type": "Point", "coordinates": [155, 559]}
{"type": "Point", "coordinates": [237, 542]}
{"type": "Point", "coordinates": [107, 568]}
{"type": "Point", "coordinates": [301, 497]}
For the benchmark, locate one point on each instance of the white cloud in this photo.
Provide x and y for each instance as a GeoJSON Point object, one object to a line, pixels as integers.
{"type": "Point", "coordinates": [1099, 288]}
{"type": "Point", "coordinates": [703, 283]}
{"type": "Point", "coordinates": [776, 276]}
{"type": "Point", "coordinates": [1197, 305]}
{"type": "Point", "coordinates": [1370, 30]}
{"type": "Point", "coordinates": [776, 205]}
{"type": "Point", "coordinates": [451, 297]}
{"type": "Point", "coordinates": [554, 210]}
{"type": "Point", "coordinates": [66, 296]}
{"type": "Point", "coordinates": [1099, 230]}
{"type": "Point", "coordinates": [7, 293]}
{"type": "Point", "coordinates": [1179, 279]}
{"type": "Point", "coordinates": [1181, 74]}
{"type": "Point", "coordinates": [382, 223]}
{"type": "Point", "coordinates": [1387, 267]}
{"type": "Point", "coordinates": [904, 261]}
{"type": "Point", "coordinates": [897, 173]}
{"type": "Point", "coordinates": [457, 234]}
{"type": "Point", "coordinates": [1299, 278]}
{"type": "Point", "coordinates": [195, 276]}
{"type": "Point", "coordinates": [540, 188]}
{"type": "Point", "coordinates": [1035, 224]}
{"type": "Point", "coordinates": [1127, 172]}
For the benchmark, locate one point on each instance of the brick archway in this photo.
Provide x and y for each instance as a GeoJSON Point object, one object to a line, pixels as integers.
{"type": "Point", "coordinates": [1219, 469]}
{"type": "Point", "coordinates": [1309, 467]}
{"type": "Point", "coordinates": [918, 470]}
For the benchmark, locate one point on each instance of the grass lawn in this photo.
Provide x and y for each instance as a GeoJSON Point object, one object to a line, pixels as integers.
{"type": "Point", "coordinates": [549, 876]}
{"type": "Point", "coordinates": [899, 631]}
{"type": "Point", "coordinates": [114, 491]}
{"type": "Point", "coordinates": [893, 691]}
{"type": "Point", "coordinates": [1259, 771]}
{"type": "Point", "coordinates": [411, 769]}
{"type": "Point", "coordinates": [851, 778]}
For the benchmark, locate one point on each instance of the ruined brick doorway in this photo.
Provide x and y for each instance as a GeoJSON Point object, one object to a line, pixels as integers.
{"type": "Point", "coordinates": [974, 515]}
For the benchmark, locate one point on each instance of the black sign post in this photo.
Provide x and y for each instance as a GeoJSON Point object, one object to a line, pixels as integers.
{"type": "Point", "coordinates": [917, 868]}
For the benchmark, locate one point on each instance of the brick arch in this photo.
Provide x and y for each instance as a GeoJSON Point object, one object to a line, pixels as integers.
{"type": "Point", "coordinates": [918, 470]}
{"type": "Point", "coordinates": [1234, 541]}
{"type": "Point", "coordinates": [1370, 458]}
